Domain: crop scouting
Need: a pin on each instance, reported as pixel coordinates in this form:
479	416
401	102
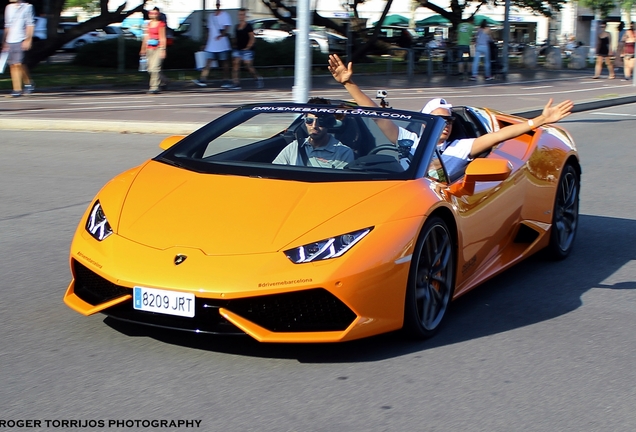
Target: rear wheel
431	280
565	216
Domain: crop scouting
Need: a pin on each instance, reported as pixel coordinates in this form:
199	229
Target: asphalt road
543	347
187	107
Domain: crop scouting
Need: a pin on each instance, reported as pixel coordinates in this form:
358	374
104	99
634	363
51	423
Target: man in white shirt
218	45
18	35
458	153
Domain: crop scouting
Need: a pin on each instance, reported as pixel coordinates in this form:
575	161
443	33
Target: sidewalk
186	107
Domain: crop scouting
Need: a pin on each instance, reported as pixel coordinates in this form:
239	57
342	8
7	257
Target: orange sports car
238	229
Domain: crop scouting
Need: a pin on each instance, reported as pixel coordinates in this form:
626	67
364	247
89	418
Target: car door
488	215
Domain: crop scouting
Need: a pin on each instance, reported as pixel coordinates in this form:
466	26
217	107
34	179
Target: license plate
163	301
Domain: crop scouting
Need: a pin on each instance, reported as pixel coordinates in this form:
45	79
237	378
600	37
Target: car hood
225	215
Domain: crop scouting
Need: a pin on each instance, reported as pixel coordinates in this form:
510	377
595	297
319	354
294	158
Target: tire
565	215
431	280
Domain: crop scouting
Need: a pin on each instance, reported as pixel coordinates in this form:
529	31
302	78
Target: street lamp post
302	68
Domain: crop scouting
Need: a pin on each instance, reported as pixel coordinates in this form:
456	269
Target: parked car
39	31
274	30
116	30
327	41
109	32
80	41
271	29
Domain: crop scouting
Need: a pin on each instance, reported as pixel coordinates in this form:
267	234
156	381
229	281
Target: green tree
455	13
90	6
603	7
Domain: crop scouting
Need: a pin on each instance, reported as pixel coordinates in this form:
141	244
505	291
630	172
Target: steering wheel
378	149
401	153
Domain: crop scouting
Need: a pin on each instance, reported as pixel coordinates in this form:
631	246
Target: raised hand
553	114
340	72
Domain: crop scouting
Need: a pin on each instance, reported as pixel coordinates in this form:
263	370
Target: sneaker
472	78
489	78
200	83
153	92
227	85
16	94
259	82
29	88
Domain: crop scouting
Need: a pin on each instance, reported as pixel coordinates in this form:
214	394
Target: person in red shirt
153	47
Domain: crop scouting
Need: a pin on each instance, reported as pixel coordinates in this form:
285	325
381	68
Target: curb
99	126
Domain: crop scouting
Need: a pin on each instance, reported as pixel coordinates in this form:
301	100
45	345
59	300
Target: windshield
306	143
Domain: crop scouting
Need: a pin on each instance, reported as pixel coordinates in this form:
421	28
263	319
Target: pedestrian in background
603	52
627	51
217	45
482	48
244	52
18	36
162	16
164	19
464	39
153	47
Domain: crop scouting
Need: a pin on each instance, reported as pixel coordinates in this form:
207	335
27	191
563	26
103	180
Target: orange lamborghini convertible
216	235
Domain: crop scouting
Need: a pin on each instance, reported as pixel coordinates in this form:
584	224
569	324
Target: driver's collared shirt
333	155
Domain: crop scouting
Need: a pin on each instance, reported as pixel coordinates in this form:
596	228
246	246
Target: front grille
94	289
301	311
207	318
310	310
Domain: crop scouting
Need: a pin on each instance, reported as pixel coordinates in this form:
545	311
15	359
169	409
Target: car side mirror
482	170
166	143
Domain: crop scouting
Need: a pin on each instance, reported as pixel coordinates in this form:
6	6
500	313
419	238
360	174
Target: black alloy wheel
565	215
431	280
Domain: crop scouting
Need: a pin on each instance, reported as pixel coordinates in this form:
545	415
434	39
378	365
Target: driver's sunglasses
310	121
449	120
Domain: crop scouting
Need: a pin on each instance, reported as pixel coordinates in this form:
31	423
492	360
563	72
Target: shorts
221	55
16	55
462	50
245	55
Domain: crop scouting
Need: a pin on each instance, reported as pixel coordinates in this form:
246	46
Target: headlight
97	225
325	249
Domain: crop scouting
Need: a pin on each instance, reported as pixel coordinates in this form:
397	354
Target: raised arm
343	74
550	114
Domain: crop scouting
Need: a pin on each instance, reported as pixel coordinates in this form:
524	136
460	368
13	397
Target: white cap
434	104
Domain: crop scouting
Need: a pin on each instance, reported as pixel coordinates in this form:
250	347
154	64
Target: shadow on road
531	292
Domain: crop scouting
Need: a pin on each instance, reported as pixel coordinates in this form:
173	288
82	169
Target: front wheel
431	280
565	215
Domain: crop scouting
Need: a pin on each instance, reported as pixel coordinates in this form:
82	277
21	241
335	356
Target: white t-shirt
17	17
455	155
216	23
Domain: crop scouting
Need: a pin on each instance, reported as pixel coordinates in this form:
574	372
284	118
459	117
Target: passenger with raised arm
458	153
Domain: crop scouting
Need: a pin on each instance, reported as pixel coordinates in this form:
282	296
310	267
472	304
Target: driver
320	149
458	153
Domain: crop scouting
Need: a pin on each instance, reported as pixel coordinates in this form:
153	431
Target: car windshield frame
208	150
